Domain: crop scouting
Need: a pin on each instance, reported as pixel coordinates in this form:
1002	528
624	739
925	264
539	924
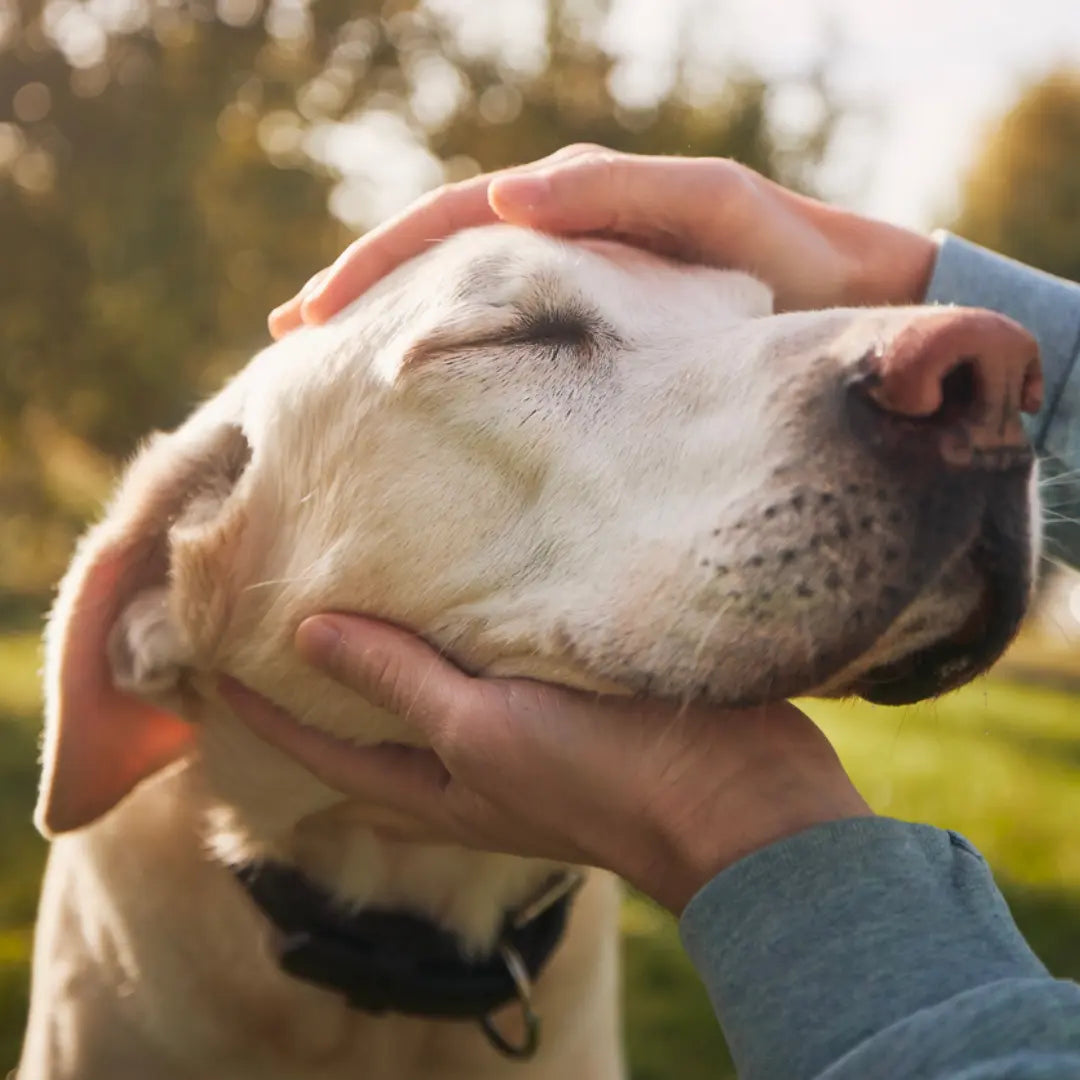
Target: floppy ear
114	637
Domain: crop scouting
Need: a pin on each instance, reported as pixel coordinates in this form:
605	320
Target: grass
22	852
998	761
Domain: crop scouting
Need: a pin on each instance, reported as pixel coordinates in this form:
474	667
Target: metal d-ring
523	985
555	888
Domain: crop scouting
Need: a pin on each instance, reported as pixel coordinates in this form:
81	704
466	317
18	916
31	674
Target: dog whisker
269	582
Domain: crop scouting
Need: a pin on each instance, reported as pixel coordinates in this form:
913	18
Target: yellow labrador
570	461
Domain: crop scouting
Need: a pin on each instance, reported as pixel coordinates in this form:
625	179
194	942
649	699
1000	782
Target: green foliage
669	1025
1022	196
164	180
22	851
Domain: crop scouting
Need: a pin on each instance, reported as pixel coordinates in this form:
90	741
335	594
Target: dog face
572	461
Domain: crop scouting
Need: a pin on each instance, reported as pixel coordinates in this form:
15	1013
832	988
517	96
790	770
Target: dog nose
963	375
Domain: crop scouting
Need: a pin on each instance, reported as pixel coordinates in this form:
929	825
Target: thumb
652	198
390	667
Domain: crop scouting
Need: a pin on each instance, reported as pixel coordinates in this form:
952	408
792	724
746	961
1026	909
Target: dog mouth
932	670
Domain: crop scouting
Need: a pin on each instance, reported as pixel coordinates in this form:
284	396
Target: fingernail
319	641
521	188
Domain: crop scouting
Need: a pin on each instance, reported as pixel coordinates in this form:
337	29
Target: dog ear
114	639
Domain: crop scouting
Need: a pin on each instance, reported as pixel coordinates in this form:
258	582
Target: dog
567	460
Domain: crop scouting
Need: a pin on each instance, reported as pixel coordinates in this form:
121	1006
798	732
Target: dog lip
948	664
924	674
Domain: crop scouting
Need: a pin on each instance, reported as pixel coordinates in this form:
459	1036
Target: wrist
894	266
686	853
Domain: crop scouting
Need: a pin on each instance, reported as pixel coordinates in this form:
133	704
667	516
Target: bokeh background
170	169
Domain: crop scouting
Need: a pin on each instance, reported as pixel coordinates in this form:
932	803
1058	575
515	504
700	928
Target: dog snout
953	384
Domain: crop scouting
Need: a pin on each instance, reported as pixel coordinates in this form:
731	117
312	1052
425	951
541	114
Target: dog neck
263	805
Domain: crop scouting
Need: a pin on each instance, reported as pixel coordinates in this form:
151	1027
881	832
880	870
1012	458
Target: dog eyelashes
550	329
556	329
578	330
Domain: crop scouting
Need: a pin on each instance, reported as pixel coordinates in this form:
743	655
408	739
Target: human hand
666	796
704	210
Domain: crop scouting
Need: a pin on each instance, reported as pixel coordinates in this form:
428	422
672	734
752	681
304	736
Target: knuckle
435	197
465	725
576	149
436	208
451	734
514	696
731	179
469	813
384	675
584	156
602	158
450	188
354	250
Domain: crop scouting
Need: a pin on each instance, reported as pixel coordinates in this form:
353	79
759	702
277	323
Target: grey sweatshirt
874	948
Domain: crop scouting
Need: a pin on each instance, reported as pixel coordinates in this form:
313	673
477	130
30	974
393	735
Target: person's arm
1049	307
873	948
834	945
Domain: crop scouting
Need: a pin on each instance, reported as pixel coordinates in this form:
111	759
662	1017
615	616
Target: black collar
392	961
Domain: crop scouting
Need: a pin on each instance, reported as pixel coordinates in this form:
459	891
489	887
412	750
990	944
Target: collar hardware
394	961
523	984
561	886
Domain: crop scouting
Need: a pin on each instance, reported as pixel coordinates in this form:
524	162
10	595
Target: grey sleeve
1050	308
873	948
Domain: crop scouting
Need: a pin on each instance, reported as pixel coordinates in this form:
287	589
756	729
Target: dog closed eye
569	327
556	328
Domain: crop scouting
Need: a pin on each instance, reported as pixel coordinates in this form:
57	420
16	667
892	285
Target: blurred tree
168	170
1022	195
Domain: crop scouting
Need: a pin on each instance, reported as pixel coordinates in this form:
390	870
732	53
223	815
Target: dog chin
943	639
921	669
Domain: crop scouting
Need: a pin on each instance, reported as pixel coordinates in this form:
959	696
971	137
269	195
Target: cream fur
559	460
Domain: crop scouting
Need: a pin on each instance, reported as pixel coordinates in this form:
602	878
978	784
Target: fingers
598	190
378	252
456	206
578	189
391	668
374	255
406	778
287	317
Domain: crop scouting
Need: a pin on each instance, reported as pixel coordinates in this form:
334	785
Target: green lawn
997	761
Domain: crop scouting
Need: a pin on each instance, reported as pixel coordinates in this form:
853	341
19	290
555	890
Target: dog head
566	460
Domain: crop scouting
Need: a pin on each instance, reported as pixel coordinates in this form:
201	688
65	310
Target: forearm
1050	308
872	948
